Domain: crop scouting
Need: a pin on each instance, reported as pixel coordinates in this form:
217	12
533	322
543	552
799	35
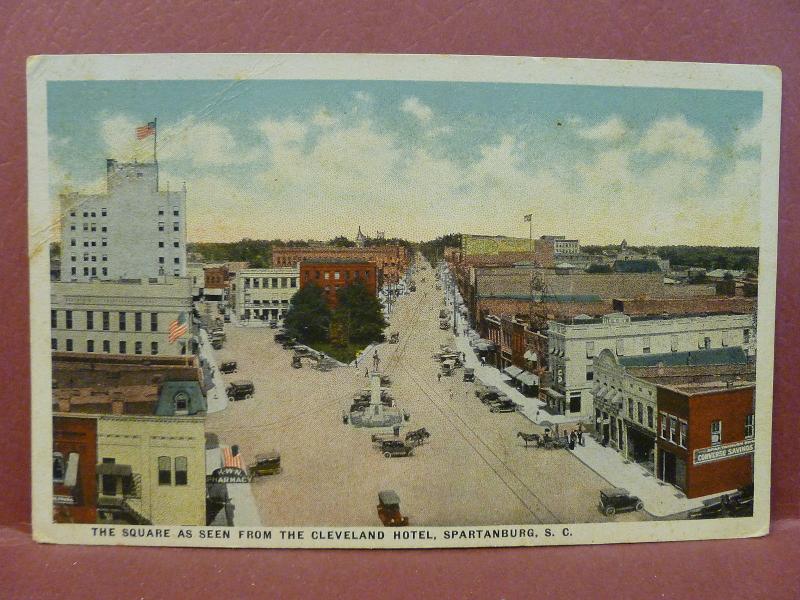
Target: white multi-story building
563	246
132	231
121	317
264	294
573	344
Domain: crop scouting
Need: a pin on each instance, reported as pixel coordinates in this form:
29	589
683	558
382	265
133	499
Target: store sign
715	453
228	475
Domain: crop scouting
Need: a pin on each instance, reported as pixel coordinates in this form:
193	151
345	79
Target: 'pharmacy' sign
715	453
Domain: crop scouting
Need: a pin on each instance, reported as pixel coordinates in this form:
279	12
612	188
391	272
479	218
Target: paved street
472	471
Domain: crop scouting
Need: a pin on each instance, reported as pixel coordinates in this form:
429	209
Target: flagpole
155	147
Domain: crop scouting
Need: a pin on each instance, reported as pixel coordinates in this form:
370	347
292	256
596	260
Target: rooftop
713	356
638	318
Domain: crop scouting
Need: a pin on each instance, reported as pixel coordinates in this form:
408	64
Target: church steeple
360	238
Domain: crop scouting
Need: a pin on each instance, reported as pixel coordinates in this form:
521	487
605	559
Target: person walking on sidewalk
439	377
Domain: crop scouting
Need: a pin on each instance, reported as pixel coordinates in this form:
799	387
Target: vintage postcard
400	301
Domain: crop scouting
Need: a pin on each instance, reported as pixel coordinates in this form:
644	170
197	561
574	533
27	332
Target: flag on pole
528	218
178	328
145	130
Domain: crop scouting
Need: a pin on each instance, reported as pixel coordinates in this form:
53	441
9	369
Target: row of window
640	413
268	302
176	226
704	342
89	227
106	346
105	320
165	471
270	282
676	430
87	214
89	271
337	275
89	243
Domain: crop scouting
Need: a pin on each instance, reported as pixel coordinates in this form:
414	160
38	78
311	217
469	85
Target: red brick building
74	460
391	260
706	437
332	275
684	305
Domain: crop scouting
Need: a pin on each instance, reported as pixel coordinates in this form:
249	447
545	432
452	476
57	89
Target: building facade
264	294
706	437
133	230
391	259
573	345
562	246
330	276
152	469
74	460
121	317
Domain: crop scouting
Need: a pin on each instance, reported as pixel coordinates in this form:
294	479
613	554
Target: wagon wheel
639	506
610	510
387	455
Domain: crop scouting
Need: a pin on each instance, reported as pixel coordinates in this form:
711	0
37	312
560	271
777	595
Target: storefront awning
114	469
553	394
528	378
512	371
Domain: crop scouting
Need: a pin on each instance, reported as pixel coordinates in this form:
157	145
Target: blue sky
315	159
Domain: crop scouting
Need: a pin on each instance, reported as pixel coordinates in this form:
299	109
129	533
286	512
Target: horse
417	436
530	437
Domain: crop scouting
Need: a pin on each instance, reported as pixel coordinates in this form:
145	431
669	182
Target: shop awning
528	378
531	356
601	393
553	394
512	371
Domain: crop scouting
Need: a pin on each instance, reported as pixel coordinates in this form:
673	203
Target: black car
391	448
228	367
240	390
614	500
504	406
739	504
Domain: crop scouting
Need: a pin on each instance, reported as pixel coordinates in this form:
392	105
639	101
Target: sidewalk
215	394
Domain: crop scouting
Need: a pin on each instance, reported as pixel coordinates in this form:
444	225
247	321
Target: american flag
178	328
229	460
145	130
528	218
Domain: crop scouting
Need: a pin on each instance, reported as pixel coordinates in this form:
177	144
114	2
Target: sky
269	159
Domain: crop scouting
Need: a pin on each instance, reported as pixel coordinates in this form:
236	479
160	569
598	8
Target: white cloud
323	118
362	96
612	130
677	137
749	137
283	132
413	106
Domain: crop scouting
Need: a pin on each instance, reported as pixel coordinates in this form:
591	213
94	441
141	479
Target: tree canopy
308	318
358	317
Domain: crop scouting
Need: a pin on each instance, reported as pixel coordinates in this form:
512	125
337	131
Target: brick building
706	437
517	350
215	280
699	304
391	260
334	274
74	460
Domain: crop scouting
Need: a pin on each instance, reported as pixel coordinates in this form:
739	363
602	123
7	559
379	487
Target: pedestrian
439	377
572	437
366	372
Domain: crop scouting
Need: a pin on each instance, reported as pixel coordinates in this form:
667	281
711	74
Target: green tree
308	318
359	313
342	242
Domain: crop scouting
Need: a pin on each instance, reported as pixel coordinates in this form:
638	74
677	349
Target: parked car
394	338
216	344
227	318
444	325
240	390
389	509
281	337
505	406
296	362
469	374
391	448
614	500
739	504
268	463
228	367
443	314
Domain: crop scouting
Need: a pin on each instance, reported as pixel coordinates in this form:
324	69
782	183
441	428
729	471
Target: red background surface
764	32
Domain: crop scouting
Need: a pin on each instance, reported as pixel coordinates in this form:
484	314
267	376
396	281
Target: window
176	244
104	258
137	348
317	274
256	283
106	346
673	430
106	320
175	212
94	214
94	271
104	229
327	275
53	344
630	408
72	242
177	260
94	226
72	213
650	417
161	260
645	345
589	349
69	345
73	271
137	321
620	347
72	258
103	212
274	282
86	227
94	258
160	244
53	319
293	282
89	319
85	256
72	227
336	275
589	373
160	211
639	412
122	323
105	270
104	242
284	282
161	226
85	214
90	345
123	347
181	470
746	334
366	274
153	347
706	343
176	226
673	343
663	425
684	440
68	315
164	470
153	321
749	425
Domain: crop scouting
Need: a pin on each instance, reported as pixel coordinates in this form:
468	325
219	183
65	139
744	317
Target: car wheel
248	396
387	455
639	506
610	510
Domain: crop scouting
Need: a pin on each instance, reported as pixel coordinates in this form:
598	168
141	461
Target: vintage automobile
444	325
391	448
289	343
504	406
296	362
268	463
240	390
443	314
228	367
448	367
216	344
614	500
217	334
489	394
394	338
389	509
412	288
281	337
469	374
739	504
226	318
